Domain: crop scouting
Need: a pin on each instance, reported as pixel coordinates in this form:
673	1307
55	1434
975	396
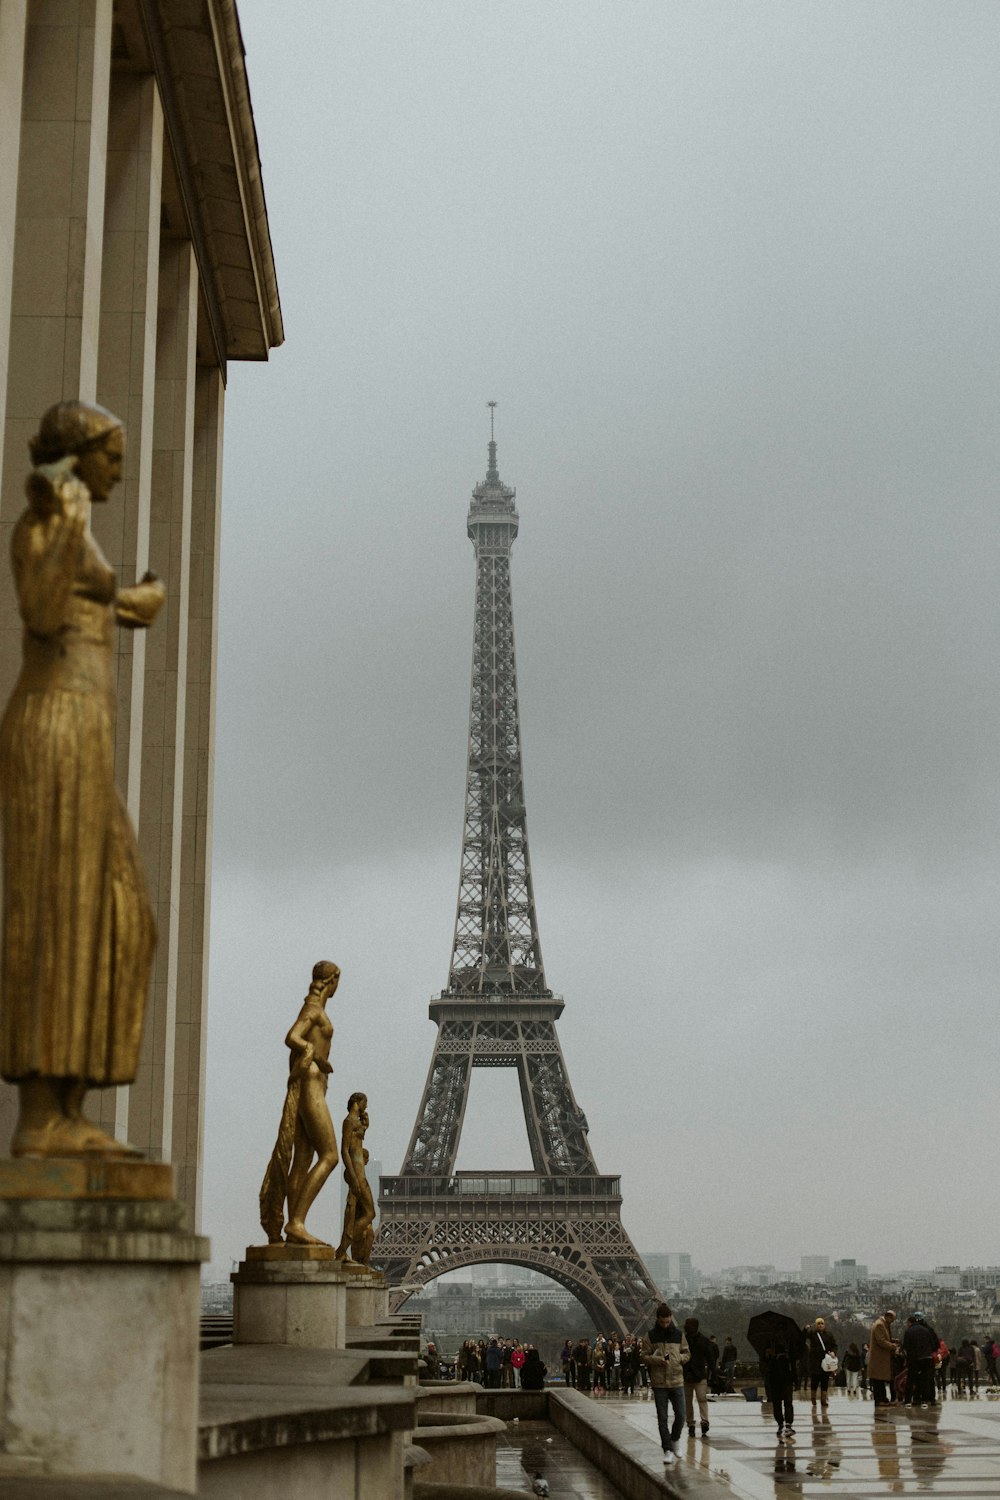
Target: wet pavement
530	1448
951	1451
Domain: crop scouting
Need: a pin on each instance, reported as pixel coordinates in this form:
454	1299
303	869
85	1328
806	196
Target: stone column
13	28
126	376
58	232
199	766
54	114
161	792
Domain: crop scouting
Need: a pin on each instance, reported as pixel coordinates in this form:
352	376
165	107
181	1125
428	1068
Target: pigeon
539	1485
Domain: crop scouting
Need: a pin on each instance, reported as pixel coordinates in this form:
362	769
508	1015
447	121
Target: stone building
135	263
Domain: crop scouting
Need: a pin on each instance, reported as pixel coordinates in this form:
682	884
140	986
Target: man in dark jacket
696	1374
727	1361
494	1361
777	1366
819	1345
920	1344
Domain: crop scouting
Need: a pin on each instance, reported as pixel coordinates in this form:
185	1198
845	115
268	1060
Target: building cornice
196	53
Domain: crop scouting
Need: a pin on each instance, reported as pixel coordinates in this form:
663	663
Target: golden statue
78	930
359	1212
306	1130
350	1209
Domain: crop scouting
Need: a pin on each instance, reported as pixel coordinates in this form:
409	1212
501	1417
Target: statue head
325	976
359	1099
71	427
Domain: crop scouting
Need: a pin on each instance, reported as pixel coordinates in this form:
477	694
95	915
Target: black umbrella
769	1328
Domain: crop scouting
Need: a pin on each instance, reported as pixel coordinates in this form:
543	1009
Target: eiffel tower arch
564	1216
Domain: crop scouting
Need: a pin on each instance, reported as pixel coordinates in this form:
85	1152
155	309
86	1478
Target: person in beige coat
882	1350
665	1352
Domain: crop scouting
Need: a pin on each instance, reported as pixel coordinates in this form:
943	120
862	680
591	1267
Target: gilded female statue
359	1214
305	1152
78	930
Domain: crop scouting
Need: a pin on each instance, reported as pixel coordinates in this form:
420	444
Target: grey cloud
730	271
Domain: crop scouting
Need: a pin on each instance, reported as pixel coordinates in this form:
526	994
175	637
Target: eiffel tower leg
434	1143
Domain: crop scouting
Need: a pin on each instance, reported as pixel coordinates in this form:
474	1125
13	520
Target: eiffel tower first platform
564	1217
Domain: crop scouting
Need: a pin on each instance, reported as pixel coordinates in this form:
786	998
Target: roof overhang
195	50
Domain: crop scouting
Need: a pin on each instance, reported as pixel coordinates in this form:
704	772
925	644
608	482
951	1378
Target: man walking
727	1361
822	1348
697	1373
665	1352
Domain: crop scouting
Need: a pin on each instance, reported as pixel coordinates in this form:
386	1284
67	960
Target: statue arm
347	1141
45	558
297	1040
138	606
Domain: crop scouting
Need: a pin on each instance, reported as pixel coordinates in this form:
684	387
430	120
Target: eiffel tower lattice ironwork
564	1217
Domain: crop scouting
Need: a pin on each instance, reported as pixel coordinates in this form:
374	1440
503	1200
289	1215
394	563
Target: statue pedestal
99	1307
367	1295
290	1294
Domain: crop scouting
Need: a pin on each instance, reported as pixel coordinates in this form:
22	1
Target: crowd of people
680	1368
601	1365
915	1369
495	1363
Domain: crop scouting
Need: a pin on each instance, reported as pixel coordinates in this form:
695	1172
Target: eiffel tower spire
496	950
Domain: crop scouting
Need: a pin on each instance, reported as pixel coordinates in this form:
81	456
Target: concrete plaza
952	1451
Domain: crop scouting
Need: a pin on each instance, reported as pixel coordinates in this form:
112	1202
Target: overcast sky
731	272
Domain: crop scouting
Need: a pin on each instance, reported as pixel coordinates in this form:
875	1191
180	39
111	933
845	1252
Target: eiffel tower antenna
496	1011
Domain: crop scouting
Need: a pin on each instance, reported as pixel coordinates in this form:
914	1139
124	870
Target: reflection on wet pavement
530	1448
951	1452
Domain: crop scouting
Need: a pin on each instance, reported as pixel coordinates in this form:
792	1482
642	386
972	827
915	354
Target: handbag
829	1363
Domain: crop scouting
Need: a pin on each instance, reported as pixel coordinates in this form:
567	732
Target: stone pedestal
290	1294
99	1305
367	1296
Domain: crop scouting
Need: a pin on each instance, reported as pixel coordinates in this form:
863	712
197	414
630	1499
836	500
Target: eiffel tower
564	1217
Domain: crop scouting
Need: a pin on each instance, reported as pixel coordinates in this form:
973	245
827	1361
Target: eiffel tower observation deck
497	1011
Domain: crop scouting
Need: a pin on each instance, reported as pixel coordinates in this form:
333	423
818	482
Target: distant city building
948	1277
217	1297
848	1273
748	1276
524	1299
815	1267
981	1278
672	1269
